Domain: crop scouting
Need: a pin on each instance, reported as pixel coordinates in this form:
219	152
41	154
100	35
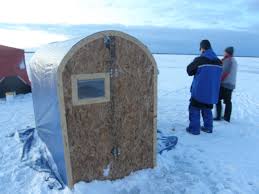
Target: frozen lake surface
225	162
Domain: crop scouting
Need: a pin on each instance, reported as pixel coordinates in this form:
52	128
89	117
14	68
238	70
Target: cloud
239	14
252	5
25	38
158	39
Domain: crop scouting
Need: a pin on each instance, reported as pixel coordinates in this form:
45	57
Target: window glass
22	65
88	89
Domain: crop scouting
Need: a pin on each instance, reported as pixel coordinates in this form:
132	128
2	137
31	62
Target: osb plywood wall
93	130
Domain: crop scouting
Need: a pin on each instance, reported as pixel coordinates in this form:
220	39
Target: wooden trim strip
74	78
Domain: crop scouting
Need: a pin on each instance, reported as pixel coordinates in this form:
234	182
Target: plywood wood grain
127	121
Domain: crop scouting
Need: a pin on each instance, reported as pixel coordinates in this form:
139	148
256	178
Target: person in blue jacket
207	70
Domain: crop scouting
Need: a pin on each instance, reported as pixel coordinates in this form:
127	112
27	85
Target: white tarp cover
43	73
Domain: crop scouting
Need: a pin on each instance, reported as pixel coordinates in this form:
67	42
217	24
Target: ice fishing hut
95	104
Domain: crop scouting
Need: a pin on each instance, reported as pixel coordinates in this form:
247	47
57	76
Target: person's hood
209	54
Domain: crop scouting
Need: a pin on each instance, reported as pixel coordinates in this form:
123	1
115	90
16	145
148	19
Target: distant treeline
162	53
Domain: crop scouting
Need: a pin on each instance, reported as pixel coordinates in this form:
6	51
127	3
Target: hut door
131	108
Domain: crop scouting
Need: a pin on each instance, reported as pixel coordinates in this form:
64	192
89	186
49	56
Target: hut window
22	65
90	88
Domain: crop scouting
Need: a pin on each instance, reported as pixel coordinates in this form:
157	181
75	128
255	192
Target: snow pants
225	95
194	117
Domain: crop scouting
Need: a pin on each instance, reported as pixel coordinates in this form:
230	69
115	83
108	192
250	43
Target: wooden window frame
75	78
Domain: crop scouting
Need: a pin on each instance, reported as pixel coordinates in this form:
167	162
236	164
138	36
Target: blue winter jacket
206	70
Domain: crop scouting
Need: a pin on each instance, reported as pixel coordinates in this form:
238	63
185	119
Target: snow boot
191	132
227	119
217	119
206	130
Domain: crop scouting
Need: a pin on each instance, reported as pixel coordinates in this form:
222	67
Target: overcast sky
235	15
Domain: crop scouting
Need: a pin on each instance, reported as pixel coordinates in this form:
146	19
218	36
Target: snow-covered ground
225	162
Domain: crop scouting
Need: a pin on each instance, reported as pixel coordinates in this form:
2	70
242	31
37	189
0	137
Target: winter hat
230	50
205	44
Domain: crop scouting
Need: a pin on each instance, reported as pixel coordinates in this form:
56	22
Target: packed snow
225	162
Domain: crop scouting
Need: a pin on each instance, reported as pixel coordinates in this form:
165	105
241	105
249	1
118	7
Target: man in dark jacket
206	70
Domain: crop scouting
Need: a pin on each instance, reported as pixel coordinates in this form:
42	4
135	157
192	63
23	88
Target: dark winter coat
207	70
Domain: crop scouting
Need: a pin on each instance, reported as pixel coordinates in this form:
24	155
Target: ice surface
106	171
225	162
